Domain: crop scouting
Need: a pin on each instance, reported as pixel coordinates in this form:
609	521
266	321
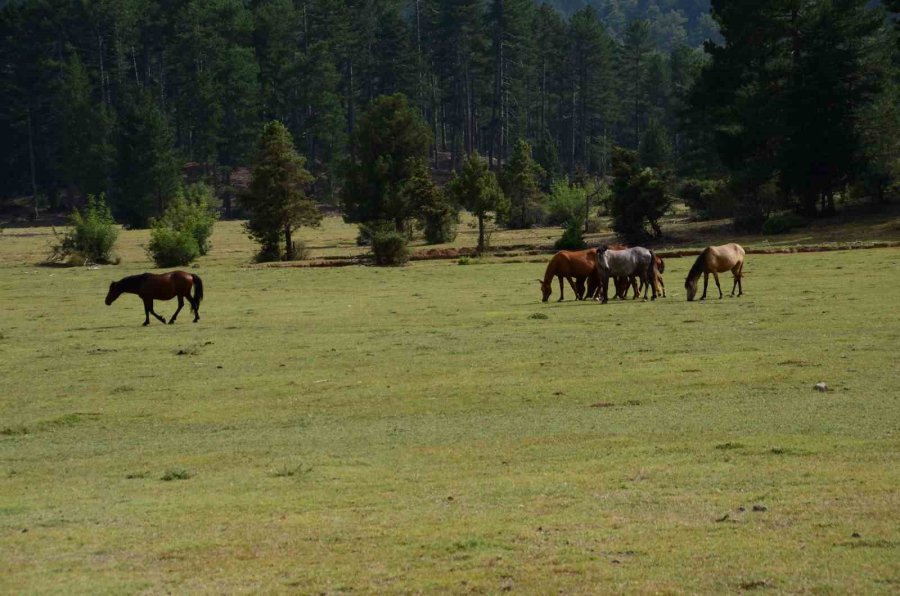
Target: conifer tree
475	188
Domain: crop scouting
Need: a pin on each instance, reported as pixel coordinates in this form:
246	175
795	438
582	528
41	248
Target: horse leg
604	289
705	283
195	306
738	279
636	291
146	312
716	276
574	288
148	303
662	285
579	288
177	310
560	277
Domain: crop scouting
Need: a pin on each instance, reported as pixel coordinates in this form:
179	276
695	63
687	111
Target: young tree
639	197
519	180
392	143
475	188
276	199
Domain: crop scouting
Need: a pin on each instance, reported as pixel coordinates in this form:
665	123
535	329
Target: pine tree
475	188
520	179
276	199
392	143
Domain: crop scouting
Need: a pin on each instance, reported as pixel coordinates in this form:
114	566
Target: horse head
546	290
691	286
114	292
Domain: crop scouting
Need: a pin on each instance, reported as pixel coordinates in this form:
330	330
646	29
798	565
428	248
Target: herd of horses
587	271
590	271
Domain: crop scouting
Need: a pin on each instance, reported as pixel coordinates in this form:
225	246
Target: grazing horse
716	260
636	262
150	287
575	266
657	276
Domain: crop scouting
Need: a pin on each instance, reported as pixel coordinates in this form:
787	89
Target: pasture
436	428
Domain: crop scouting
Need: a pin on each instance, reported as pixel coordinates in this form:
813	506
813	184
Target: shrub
90	237
779	224
566	203
390	248
171	248
708	199
175	474
368	230
572	238
189	211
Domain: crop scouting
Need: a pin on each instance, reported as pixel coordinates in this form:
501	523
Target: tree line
795	102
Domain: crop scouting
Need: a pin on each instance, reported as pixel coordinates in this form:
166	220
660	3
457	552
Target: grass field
436	428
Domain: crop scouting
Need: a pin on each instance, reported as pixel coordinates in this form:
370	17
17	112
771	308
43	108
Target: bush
189	212
780	224
171	248
572	238
708	199
90	237
566	203
390	248
440	229
367	231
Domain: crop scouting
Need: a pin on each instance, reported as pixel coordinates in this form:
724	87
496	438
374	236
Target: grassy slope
415	429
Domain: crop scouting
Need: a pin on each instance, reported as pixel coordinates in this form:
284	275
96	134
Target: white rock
820	387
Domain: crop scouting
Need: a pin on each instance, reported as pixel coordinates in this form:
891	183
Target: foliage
436	214
391	146
781	223
190	212
639	197
475	188
708	199
367	231
276	199
390	248
520	180
572	238
655	150
90	237
566	203
170	247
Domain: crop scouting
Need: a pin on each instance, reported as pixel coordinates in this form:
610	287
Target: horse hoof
145	324
172	322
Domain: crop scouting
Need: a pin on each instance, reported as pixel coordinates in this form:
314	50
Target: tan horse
657	277
716	260
575	266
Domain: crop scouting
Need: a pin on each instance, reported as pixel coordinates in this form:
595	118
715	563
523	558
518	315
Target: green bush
367	231
189	212
708	199
780	224
171	248
90	237
572	238
390	248
566	203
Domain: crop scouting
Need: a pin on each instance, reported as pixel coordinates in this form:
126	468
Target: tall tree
475	188
276	199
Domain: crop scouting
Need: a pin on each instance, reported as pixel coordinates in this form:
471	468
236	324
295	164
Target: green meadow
436	428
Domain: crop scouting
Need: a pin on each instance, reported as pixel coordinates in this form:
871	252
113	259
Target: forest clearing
436	428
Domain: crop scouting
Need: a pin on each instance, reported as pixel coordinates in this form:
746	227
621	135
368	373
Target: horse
622	283
715	260
165	286
657	277
569	264
636	262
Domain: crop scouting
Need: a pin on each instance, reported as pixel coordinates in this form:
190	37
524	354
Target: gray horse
636	261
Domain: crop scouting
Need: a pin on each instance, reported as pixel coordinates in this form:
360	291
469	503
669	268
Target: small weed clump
175	474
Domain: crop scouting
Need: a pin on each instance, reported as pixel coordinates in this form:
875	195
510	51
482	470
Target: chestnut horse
165	286
716	260
575	266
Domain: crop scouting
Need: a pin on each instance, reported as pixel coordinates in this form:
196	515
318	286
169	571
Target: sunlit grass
437	428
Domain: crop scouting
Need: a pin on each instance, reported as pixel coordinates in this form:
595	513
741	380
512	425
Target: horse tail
198	288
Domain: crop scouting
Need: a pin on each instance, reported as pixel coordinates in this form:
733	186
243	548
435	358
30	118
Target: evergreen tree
147	173
520	179
392	143
276	199
655	150
639	197
475	188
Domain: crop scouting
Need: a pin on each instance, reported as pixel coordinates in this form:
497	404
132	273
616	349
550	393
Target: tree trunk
288	243
480	233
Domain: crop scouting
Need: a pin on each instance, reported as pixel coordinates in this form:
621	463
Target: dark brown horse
575	266
165	286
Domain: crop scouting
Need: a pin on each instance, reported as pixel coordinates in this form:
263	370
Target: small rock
820	387
760	508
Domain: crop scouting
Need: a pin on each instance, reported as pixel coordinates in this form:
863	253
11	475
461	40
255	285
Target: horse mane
132	283
699	265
